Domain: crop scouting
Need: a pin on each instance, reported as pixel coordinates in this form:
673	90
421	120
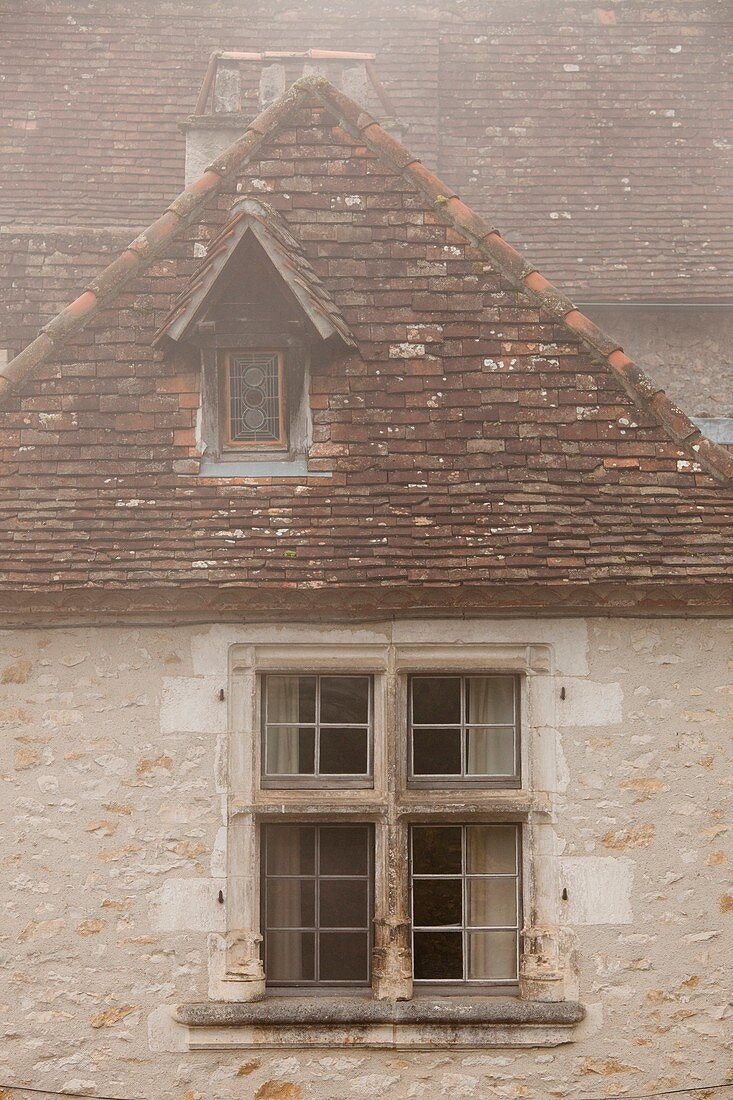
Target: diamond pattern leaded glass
255	398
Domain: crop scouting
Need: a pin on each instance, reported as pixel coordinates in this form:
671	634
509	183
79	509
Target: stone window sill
242	466
425	1023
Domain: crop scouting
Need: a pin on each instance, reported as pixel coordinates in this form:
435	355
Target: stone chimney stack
237	86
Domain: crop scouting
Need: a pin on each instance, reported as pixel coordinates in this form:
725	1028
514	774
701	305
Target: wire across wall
7	1089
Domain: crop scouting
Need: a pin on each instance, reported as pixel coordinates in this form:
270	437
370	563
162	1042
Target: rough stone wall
686	350
112	854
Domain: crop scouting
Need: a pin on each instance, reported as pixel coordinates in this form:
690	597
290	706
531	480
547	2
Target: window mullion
464	734
317	746
465	901
317	900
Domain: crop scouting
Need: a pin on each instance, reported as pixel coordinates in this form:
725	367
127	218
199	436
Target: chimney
237	86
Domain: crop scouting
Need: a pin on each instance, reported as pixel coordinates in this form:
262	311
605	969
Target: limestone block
227	88
273	83
187	905
203	146
355	83
599	889
219	854
191	704
590	704
568	638
209	649
165	1035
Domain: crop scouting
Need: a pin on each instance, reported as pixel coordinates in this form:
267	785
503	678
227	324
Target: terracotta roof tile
479	452
644	186
510	263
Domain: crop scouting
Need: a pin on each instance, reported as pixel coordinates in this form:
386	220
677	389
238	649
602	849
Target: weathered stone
352	1010
641	844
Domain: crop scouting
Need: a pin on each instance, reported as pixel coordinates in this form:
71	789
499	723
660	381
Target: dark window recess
317	904
317	726
466	906
464	728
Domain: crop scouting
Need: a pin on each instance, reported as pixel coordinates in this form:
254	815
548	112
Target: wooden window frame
230	445
431	793
544	1011
444	985
392	804
317	985
318	780
464	779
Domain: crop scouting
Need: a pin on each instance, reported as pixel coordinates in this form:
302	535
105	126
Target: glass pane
254	397
343	751
291	956
438	955
345	699
344	850
492	901
344	903
490	751
436	700
291	699
291	903
344	956
436	850
436	752
437	902
290	750
492	849
492	955
290	849
490	700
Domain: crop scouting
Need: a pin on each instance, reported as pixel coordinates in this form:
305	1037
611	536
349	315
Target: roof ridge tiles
148	245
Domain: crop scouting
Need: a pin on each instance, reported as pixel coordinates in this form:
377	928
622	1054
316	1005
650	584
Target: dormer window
259	316
254	400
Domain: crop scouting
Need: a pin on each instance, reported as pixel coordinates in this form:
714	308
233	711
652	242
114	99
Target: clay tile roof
287	257
154	242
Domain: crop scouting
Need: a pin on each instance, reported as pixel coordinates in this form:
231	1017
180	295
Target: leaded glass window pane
254	398
317	904
318	727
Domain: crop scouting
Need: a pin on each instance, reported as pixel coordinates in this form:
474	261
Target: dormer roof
284	251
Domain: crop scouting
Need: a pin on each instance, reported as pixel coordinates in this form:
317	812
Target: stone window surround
239	1013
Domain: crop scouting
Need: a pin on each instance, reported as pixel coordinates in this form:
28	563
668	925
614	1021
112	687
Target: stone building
365	657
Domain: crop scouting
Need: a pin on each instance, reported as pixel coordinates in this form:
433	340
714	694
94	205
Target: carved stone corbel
542	972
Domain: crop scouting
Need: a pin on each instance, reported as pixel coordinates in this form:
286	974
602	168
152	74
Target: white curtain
283	753
491	901
490	700
283	758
